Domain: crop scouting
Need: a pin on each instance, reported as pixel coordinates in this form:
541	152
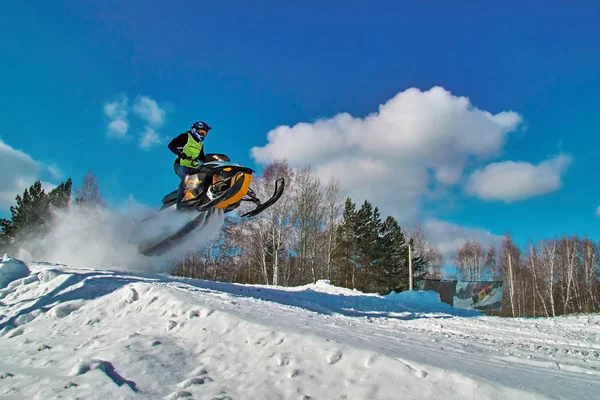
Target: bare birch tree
547	268
309	215
430	254
334	203
590	266
471	261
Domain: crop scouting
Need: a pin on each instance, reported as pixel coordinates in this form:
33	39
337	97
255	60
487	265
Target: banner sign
474	295
482	295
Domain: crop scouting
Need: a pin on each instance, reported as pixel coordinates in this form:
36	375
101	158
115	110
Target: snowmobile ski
279	186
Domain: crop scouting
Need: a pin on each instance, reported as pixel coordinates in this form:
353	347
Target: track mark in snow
65	309
283	360
205	312
92	321
419	373
199	380
370	361
6	375
152	300
221	396
172	324
180	394
16	332
131	295
27	318
48	275
295	373
106	367
335	357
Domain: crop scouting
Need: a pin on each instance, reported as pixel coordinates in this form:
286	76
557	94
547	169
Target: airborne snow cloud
416	142
511	181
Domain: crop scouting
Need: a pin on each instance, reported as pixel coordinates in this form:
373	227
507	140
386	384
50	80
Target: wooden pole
410	271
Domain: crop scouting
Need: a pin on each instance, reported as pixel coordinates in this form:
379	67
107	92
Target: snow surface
11	270
70	332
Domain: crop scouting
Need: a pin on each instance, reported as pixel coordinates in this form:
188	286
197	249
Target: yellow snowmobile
218	184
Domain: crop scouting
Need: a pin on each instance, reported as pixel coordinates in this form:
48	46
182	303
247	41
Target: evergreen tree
367	236
29	212
33	212
345	255
60	197
392	266
5	234
419	267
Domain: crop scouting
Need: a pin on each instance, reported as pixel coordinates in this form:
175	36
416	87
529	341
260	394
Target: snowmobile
219	185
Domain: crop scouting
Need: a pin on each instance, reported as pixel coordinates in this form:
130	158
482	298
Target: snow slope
96	334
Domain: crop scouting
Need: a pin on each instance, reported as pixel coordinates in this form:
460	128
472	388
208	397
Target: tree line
551	277
314	232
32	215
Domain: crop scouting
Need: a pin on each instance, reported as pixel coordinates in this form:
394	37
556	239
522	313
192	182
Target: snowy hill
95	334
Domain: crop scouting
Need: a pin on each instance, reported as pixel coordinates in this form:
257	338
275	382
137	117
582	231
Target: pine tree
392	265
33	212
367	234
6	238
29	212
60	197
345	255
420	265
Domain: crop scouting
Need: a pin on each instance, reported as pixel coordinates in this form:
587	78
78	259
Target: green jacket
186	143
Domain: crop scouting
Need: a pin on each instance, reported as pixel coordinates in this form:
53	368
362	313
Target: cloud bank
416	140
18	171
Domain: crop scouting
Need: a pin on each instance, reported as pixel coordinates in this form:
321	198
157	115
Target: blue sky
249	67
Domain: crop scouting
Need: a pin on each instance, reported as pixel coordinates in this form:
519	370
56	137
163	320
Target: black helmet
200	129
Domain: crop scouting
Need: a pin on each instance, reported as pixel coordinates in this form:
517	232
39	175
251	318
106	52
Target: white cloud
448	175
146	108
149	138
116	111
448	238
18	171
149	110
510	181
118	128
55	172
392	156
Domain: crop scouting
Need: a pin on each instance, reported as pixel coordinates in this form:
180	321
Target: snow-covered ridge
67	333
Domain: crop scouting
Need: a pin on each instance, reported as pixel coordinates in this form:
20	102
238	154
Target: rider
189	149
